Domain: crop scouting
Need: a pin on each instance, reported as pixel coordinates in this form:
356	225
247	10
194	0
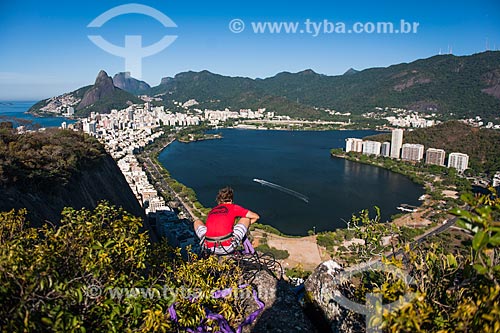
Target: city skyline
48	52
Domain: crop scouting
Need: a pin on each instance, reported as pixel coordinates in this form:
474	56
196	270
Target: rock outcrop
103	88
282	311
100	181
350	71
126	82
323	290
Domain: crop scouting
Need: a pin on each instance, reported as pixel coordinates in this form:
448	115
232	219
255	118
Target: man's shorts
239	231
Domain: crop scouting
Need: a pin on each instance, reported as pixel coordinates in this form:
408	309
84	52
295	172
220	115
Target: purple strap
226	292
248	320
248	247
223	324
172	312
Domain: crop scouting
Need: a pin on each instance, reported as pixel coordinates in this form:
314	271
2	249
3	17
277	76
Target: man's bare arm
253	217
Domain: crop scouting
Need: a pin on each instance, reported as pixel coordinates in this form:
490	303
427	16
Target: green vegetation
120	99
365	237
195	133
277	254
45	159
215	91
98	273
297	272
482	145
455	289
266	228
79	93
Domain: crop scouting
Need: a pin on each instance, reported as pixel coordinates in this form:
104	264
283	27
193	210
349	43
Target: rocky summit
124	81
103	87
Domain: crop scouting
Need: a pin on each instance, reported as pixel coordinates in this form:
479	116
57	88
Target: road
429	233
152	169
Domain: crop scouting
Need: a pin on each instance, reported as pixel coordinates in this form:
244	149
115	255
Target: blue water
298	161
11	110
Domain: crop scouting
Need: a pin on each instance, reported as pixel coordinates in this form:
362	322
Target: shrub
278	254
98	273
454	291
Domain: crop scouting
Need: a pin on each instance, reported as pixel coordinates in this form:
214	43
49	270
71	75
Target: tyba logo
133	51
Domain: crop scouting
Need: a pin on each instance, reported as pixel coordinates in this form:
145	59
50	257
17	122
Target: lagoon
299	164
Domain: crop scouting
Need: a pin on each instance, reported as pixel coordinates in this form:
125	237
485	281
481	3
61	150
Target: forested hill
481	144
462	85
49	170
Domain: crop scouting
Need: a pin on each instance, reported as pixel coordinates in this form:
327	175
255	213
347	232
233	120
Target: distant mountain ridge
453	86
463	85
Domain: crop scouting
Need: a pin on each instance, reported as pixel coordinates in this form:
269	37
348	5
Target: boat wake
282	189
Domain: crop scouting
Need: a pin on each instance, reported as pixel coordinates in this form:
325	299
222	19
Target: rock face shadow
282	312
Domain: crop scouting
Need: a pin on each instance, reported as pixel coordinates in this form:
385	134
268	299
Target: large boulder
322	292
282	311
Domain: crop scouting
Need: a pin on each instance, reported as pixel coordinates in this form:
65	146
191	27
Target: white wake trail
282	189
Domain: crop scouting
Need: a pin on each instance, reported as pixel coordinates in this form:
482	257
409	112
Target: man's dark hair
225	195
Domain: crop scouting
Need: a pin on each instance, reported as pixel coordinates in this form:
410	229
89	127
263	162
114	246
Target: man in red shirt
219	234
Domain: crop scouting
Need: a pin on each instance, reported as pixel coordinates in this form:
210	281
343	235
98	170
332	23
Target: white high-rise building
396	142
353	144
371	147
385	149
458	161
412	152
435	156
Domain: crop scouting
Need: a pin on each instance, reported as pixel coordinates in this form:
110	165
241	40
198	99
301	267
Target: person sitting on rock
219	234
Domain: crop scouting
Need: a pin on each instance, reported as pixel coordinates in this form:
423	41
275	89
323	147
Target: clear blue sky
45	50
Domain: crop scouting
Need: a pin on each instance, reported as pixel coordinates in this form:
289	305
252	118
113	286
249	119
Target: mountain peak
307	72
103	87
102	75
165	80
351	71
125	81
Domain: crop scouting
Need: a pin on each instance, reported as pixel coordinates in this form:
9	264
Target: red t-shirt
220	220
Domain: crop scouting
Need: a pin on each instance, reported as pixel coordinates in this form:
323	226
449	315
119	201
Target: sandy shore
302	250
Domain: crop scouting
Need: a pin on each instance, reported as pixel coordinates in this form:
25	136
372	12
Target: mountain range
452	86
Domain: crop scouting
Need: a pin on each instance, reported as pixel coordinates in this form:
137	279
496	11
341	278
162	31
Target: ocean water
298	185
12	110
